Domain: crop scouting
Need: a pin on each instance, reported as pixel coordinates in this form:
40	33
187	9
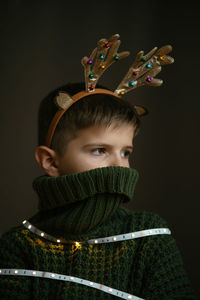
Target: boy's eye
125	153
99	151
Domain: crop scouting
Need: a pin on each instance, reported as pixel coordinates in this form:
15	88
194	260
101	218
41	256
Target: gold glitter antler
100	59
144	69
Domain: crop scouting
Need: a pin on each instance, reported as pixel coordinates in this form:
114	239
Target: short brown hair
98	109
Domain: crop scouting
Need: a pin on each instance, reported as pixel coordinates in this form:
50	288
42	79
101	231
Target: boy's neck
79	202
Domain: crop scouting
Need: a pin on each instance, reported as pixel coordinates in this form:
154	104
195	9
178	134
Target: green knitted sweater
85	206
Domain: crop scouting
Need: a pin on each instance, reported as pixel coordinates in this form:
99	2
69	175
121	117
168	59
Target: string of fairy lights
41	274
108	239
98	286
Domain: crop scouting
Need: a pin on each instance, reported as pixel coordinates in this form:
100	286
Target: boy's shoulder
14	234
141	220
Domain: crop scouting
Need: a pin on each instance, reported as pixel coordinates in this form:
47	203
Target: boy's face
97	147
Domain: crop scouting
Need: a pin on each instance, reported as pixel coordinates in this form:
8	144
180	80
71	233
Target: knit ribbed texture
79	202
58	191
149	267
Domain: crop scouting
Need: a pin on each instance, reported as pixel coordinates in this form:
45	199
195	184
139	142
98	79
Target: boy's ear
47	160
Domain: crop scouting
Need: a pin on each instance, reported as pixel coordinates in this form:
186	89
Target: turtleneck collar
78	202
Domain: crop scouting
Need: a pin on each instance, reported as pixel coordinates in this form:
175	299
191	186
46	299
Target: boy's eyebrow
106	145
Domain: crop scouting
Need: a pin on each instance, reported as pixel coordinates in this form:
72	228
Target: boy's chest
110	265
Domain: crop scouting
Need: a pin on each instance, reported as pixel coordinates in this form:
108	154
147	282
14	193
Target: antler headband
142	72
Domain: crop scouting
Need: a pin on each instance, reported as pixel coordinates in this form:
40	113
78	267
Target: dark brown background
42	43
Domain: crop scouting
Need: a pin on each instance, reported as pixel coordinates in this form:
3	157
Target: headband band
74	99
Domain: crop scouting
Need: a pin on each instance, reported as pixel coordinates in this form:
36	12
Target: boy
82	244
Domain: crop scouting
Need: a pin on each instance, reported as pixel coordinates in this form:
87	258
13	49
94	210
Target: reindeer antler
100	59
144	69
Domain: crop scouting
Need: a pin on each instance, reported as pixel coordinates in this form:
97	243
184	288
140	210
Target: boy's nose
117	161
